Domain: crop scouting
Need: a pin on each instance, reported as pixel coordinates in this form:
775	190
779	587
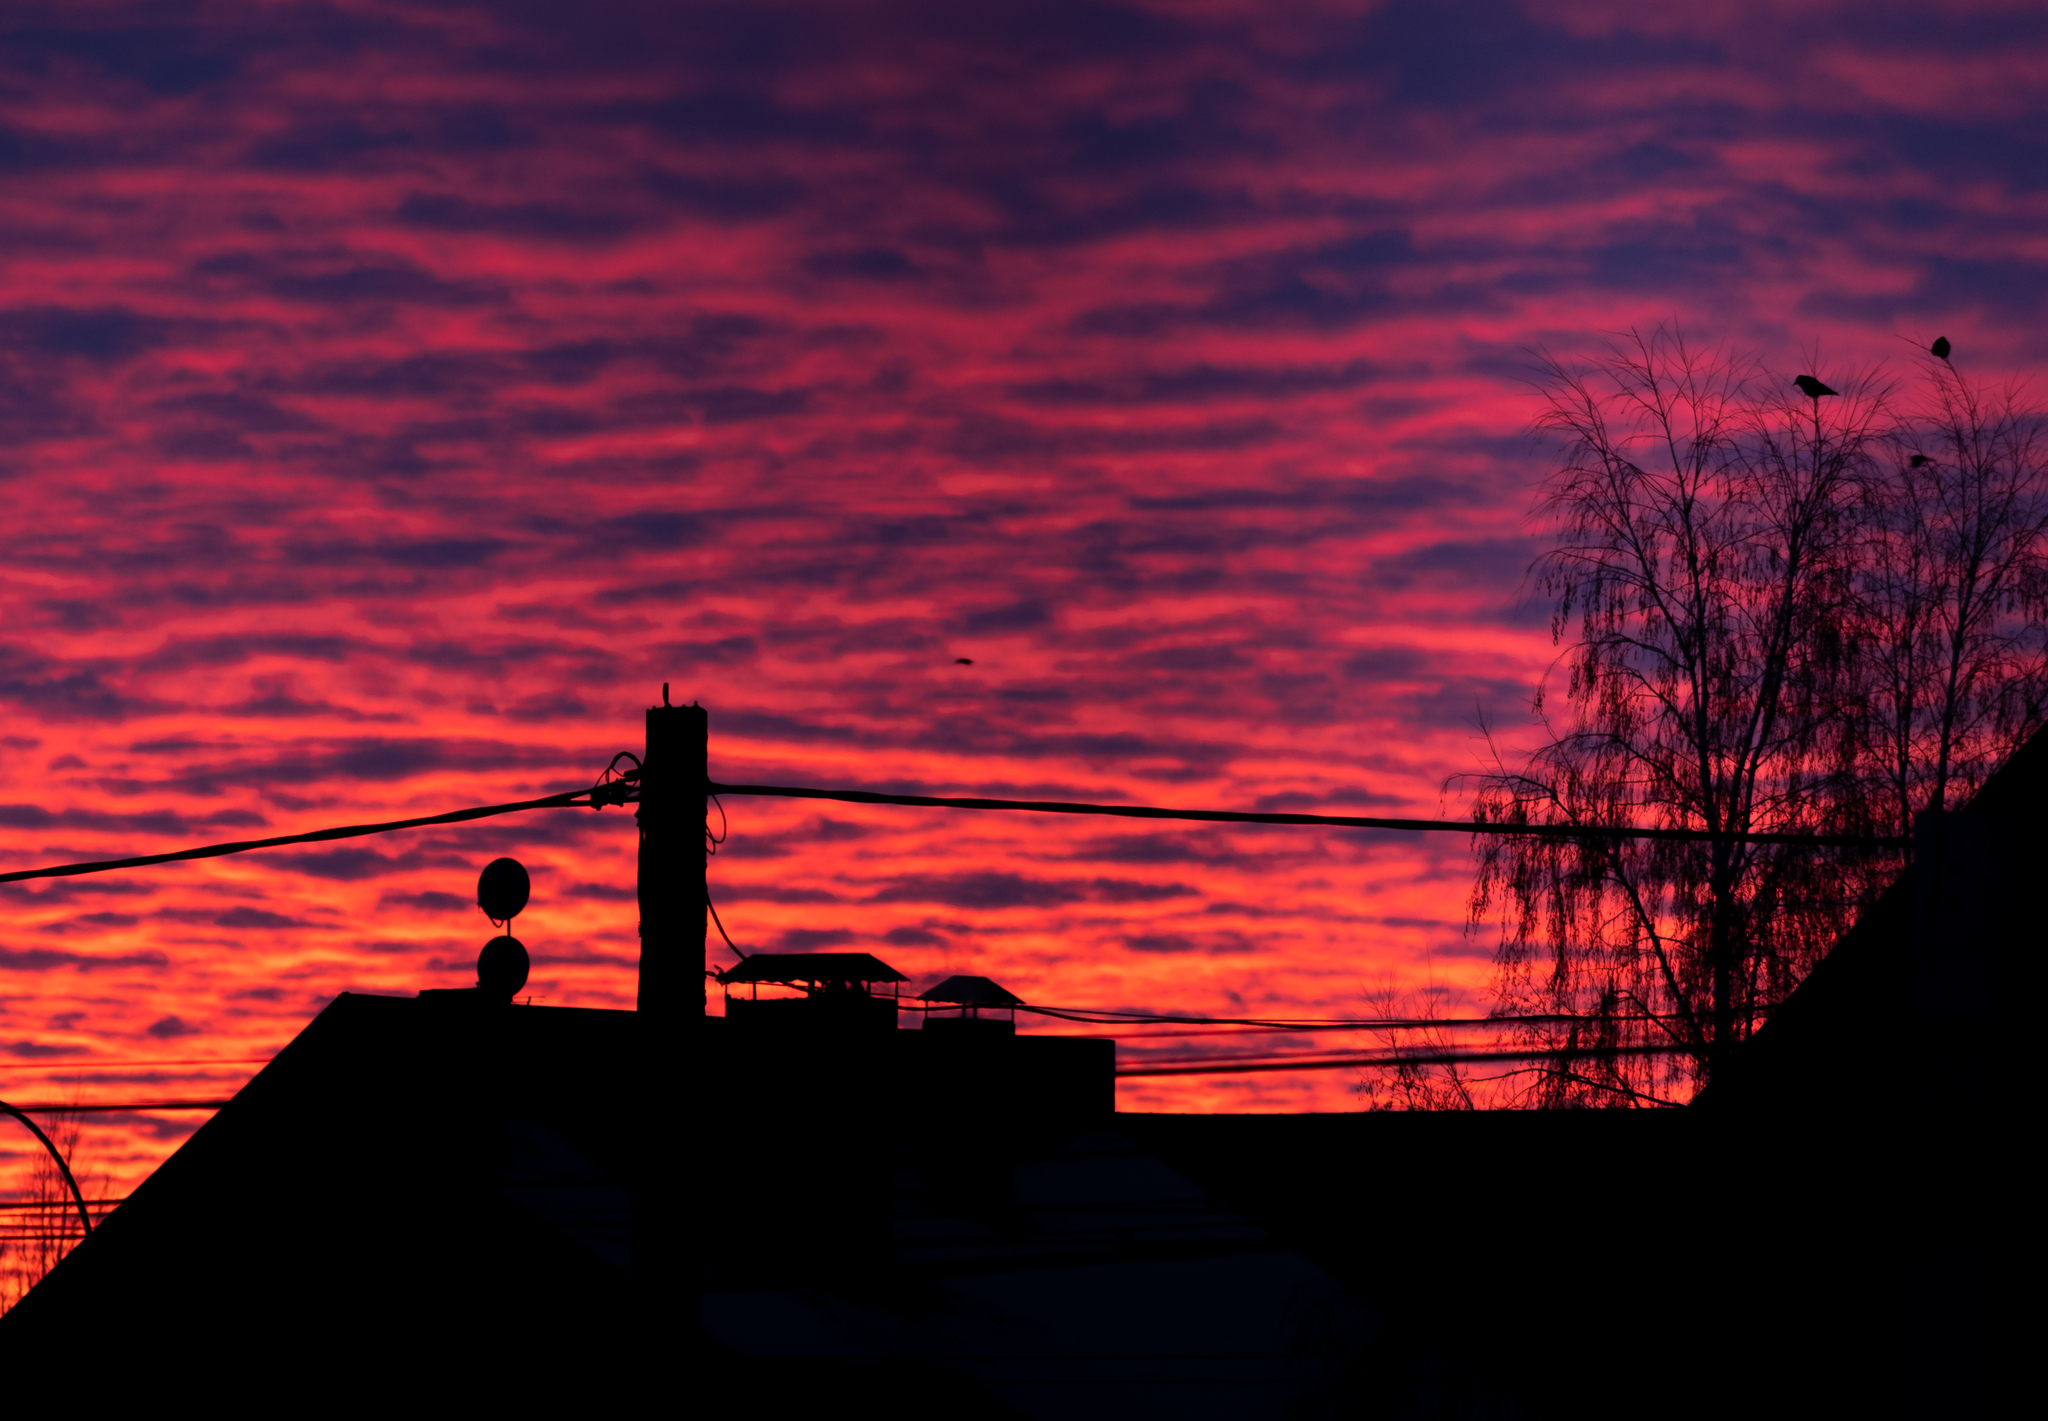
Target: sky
1113	402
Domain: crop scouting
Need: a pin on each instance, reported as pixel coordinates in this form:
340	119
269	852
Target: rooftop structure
813	971
838	991
958	1003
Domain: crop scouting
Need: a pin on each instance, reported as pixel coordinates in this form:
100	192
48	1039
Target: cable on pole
625	790
574	799
1327	821
1092	1016
721	929
1228	1067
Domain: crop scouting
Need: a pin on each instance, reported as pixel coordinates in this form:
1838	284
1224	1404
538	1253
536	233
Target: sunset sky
393	397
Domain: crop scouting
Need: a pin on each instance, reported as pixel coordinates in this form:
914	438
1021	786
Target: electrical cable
100	1065
111	1108
1331	821
1340	1057
623	790
1228	1067
571	799
611	788
1091	1016
721	927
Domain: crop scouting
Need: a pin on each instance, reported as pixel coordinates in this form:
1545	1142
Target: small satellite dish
502	889
501	967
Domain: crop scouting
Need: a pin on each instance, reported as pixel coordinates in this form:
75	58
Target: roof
793	967
1816	1049
405	1168
971	992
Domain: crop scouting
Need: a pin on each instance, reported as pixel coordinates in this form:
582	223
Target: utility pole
672	896
673	774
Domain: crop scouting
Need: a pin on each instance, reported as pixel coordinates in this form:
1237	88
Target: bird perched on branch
1810	387
1940	348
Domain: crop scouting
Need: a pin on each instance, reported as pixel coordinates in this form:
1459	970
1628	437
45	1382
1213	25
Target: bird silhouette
1917	461
1810	387
963	661
1940	347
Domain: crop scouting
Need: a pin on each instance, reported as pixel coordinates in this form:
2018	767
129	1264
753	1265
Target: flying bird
1940	347
963	661
1810	387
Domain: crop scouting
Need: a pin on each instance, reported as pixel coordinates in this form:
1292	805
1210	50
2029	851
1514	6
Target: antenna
502	891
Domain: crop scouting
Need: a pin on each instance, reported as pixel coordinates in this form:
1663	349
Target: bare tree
1703	576
1413	1080
1953	587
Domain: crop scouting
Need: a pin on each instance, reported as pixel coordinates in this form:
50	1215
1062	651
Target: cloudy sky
393	397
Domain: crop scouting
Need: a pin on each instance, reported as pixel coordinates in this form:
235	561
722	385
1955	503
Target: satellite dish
502	890
501	967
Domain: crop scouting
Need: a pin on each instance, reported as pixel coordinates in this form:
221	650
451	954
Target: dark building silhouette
1834	1228
429	1194
957	1197
927	1213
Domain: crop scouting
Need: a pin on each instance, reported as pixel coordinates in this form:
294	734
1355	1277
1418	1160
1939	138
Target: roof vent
959	1003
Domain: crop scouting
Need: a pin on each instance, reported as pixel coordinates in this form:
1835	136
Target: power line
1327	821
101	1065
108	1109
1092	1016
623	791
721	924
1316	1061
1324	1057
571	799
1227	1067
